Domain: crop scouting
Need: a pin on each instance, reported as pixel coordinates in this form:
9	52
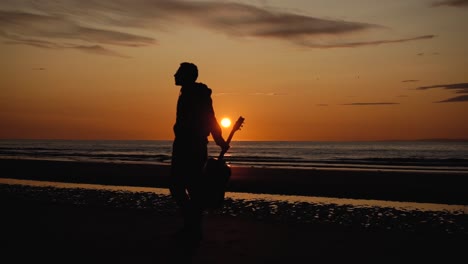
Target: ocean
451	156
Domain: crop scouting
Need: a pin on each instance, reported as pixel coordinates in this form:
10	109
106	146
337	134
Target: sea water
451	156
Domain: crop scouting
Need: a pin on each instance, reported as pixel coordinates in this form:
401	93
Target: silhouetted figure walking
194	123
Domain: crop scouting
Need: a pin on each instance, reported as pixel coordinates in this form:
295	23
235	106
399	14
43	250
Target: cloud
14	39
367	43
94	49
406	81
456	3
31	29
461	98
246	20
376	103
106	22
459	88
225	94
50	26
269	94
422	54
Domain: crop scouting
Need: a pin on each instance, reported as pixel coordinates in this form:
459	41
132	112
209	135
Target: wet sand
436	187
80	231
77	225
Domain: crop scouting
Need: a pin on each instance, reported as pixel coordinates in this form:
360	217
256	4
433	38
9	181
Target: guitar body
216	177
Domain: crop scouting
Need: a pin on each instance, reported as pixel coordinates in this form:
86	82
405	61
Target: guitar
217	174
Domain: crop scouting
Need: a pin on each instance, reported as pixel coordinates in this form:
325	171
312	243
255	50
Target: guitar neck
228	141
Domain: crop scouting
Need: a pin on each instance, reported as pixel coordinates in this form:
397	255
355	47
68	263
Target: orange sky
296	70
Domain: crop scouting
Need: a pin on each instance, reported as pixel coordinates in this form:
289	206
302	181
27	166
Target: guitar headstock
239	123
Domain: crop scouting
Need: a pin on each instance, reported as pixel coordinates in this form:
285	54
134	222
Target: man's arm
217	136
215	128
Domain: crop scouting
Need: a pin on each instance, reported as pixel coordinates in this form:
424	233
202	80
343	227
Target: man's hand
224	146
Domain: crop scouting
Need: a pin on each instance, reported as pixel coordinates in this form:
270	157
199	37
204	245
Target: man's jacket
195	115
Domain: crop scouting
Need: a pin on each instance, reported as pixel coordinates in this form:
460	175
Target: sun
226	122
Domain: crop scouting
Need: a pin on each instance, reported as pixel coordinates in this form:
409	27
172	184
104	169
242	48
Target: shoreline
434	187
442	169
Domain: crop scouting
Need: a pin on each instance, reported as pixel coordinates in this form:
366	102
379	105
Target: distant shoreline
281	140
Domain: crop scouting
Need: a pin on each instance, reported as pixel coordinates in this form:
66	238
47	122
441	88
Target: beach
94	225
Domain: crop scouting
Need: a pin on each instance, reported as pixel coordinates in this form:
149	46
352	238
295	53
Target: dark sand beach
45	224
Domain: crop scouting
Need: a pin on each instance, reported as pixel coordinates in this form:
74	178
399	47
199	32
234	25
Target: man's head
186	74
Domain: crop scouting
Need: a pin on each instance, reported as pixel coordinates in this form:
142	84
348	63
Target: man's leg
179	193
186	187
178	186
196	210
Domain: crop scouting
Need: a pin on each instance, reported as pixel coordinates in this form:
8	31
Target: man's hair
189	70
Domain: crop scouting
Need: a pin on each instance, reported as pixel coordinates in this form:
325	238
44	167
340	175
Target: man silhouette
194	122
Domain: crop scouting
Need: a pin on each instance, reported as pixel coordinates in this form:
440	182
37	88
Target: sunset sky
296	70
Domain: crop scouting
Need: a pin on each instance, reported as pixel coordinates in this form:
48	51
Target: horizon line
250	140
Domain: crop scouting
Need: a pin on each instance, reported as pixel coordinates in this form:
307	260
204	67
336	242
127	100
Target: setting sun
226	122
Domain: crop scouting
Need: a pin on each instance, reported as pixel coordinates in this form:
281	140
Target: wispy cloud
269	94
50	31
406	81
423	54
95	49
366	43
461	98
459	88
372	103
107	22
225	94
457	3
54	26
